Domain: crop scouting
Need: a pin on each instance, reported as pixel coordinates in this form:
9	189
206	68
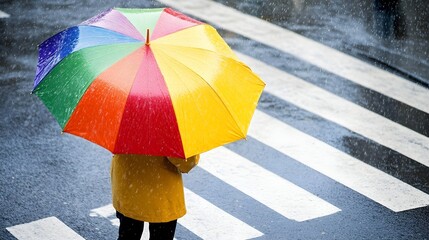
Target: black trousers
131	229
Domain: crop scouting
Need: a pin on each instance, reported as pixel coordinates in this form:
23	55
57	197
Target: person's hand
185	165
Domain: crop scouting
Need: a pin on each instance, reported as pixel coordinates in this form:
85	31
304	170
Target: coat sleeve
185	165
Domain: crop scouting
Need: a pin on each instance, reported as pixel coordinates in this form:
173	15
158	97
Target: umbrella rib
112	44
91	59
217	94
206	50
122	114
120	43
108	20
168	97
193	99
174	32
87	87
65	124
165	113
80	98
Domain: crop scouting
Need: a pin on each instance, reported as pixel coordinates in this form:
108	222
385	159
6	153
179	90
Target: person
149	189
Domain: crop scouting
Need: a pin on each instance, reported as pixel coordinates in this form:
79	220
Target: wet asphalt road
392	34
44	173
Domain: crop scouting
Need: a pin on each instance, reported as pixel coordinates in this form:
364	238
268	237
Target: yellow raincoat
149	188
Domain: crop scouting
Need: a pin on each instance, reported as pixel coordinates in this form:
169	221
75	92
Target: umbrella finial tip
147	37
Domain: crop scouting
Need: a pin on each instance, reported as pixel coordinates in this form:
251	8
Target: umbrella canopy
147	81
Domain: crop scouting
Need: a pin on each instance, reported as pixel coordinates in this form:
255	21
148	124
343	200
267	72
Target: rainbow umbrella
147	81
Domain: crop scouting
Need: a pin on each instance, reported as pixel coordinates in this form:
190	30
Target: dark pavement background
43	173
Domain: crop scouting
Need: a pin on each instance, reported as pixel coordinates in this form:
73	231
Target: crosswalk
208	220
368	181
343	112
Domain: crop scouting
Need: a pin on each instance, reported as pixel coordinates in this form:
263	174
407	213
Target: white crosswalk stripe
269	189
210	222
50	228
106	211
3	14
